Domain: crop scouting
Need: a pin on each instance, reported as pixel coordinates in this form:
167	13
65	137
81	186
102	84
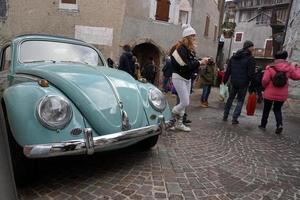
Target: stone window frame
174	11
184	6
69	6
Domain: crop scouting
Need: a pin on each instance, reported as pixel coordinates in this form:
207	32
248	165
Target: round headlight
157	99
54	112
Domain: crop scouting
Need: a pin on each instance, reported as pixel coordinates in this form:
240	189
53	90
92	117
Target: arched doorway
144	51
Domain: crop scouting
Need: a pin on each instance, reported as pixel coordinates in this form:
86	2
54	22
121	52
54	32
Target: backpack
280	79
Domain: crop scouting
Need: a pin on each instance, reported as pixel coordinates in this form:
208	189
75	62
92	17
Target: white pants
183	89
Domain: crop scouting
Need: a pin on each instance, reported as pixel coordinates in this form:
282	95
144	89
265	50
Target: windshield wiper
36	61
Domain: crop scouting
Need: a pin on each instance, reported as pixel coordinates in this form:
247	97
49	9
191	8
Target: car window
47	51
6	58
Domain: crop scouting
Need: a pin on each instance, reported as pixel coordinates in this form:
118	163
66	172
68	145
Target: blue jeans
240	93
205	92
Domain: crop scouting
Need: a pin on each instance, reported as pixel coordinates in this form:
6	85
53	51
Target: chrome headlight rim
56	126
163	98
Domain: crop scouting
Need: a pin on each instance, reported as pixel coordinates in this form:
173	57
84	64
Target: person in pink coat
276	95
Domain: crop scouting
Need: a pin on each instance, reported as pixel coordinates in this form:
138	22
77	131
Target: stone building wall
292	44
46	17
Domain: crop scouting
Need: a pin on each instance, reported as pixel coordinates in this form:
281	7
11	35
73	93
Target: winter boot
180	126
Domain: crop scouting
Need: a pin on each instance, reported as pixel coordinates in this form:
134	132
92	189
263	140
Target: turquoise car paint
144	90
21	101
130	95
94	96
93	93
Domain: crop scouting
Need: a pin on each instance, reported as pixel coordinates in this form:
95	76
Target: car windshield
48	51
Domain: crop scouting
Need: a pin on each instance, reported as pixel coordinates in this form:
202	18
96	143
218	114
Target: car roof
48	37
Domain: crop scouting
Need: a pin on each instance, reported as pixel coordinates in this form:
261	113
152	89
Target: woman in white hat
183	65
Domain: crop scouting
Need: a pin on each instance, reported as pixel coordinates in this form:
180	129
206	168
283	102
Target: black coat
126	63
256	84
149	72
240	69
191	64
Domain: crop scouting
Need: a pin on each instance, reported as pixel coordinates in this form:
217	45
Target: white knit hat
188	30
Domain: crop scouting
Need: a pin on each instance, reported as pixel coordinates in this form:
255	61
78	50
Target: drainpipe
287	22
8	189
229	54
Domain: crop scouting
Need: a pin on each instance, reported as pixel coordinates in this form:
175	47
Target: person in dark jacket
149	71
207	79
167	72
126	62
240	70
183	65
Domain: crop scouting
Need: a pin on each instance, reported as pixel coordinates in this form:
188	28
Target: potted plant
228	33
228	29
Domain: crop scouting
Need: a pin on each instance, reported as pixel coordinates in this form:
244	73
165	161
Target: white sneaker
182	127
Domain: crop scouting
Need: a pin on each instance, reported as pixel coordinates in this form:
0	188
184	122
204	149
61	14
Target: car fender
149	110
21	101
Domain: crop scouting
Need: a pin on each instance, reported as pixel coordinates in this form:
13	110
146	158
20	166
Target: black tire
148	143
24	169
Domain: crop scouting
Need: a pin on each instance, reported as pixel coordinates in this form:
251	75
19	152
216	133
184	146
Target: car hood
95	91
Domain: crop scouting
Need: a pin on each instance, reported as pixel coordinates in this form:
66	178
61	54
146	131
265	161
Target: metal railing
261	3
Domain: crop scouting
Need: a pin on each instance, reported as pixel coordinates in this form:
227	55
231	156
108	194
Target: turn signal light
43	83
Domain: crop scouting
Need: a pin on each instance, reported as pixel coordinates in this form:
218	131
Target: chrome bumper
91	144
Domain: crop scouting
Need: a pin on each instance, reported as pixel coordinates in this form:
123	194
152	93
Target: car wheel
149	142
24	168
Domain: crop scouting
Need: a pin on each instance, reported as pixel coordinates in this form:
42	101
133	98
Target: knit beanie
248	44
188	30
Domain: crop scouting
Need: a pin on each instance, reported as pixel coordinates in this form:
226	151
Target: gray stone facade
253	19
47	17
130	20
292	44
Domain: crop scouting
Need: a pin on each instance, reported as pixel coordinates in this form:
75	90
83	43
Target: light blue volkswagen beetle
59	98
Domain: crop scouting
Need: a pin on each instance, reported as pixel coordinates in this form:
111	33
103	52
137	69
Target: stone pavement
216	160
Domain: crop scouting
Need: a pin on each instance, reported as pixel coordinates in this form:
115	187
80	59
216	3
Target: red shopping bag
251	104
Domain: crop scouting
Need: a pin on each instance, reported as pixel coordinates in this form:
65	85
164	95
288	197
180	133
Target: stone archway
143	49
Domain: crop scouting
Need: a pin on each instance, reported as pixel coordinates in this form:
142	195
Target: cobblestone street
216	160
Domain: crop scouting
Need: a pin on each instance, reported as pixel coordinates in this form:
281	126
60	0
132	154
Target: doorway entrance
144	52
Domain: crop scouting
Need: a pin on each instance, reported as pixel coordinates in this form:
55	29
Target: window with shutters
238	37
3	9
206	31
162	10
68	4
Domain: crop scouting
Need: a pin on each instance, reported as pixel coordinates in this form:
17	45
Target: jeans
276	109
241	93
166	81
205	93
